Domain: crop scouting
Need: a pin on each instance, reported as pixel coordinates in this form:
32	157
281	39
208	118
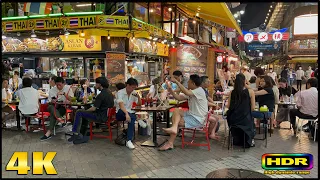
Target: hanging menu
192	59
115	68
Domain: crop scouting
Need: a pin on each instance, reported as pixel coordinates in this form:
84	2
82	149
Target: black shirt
267	99
103	102
287	91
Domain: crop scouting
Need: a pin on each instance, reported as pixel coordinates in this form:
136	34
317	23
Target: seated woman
83	91
240	104
265	96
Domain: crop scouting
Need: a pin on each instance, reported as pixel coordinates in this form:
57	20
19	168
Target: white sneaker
130	145
142	123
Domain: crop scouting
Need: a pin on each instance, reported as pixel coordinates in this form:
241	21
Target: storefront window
7	9
140	11
77	7
304	44
100	7
167	26
155	14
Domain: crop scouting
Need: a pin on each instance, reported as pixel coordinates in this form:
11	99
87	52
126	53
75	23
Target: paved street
101	158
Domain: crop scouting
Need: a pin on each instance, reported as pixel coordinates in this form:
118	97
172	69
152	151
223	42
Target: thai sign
66	22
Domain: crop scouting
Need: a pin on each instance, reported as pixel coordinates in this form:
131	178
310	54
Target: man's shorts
190	121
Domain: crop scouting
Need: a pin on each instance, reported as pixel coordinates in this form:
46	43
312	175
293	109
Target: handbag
122	138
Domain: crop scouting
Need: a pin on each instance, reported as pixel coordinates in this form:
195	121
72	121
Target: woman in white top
276	93
6	96
15	81
224	76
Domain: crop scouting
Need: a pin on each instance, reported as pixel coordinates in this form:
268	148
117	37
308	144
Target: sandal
166	147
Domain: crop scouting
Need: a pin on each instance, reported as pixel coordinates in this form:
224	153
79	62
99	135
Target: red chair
204	129
42	115
111	117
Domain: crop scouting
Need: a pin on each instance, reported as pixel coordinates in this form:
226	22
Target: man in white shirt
59	93
125	98
29	98
299	76
307	103
6	96
273	75
198	109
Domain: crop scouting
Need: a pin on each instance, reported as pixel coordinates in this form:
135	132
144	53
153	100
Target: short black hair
53	78
203	78
26	82
16	73
132	81
313	82
177	73
216	80
282	80
83	81
196	79
59	79
268	81
120	86
252	79
103	81
258	71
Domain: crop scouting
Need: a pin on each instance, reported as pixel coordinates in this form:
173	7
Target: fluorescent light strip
83	5
37	16
14	18
82	13
57	14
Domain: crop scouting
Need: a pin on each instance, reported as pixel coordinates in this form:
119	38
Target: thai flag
40	24
139	26
9	26
74	22
110	21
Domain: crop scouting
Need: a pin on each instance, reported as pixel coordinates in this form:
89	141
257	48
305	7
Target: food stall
145	61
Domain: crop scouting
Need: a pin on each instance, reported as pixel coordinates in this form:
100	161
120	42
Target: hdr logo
287	161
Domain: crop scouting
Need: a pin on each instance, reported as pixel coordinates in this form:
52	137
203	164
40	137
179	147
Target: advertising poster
192	59
115	69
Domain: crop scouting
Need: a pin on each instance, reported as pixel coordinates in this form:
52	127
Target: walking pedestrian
299	76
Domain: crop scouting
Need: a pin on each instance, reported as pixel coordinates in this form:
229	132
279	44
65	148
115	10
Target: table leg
153	142
167	113
18	118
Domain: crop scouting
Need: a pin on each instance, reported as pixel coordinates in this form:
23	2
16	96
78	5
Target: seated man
59	93
125	99
214	119
198	109
6	96
29	98
97	113
307	103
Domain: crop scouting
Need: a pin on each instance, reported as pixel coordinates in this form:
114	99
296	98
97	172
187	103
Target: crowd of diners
247	89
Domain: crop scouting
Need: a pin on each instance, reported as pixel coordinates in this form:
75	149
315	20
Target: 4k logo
38	163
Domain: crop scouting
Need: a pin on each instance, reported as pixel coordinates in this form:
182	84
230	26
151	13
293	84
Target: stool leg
229	139
244	142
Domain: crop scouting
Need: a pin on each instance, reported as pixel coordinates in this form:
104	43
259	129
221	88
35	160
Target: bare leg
212	128
48	133
177	121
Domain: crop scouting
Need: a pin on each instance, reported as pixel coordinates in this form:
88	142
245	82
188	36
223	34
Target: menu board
192	59
139	45
115	68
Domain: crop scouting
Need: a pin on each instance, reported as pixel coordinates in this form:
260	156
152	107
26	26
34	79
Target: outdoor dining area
76	105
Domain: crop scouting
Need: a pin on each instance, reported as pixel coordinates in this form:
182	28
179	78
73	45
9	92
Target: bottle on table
291	98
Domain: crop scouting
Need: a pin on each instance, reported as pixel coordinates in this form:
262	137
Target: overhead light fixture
238	20
260	54
177	19
155	38
3	36
150	37
235	15
242	12
66	32
108	36
169	9
269	10
271	6
268	14
197	14
173	43
33	34
82	34
194	21
151	10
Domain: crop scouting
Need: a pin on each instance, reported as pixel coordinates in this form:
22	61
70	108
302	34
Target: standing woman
241	103
224	76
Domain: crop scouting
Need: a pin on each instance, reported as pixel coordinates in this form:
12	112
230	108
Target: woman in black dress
241	103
